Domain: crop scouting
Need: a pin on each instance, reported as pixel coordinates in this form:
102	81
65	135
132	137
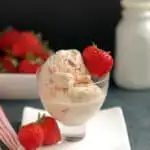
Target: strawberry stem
93	43
39	61
30	57
15	62
40	118
46	46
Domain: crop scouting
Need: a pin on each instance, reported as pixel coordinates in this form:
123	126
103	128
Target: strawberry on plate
97	61
8	38
51	131
44	131
31	136
8	64
27	43
29	66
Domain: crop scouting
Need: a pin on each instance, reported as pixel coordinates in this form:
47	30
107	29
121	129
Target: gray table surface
135	104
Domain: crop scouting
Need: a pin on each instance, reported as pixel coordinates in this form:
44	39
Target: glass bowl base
73	133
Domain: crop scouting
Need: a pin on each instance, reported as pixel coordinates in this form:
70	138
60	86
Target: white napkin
105	131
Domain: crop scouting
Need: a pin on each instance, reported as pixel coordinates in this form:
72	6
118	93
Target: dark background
65	23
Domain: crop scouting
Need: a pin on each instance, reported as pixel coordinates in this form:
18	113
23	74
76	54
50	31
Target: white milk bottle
132	55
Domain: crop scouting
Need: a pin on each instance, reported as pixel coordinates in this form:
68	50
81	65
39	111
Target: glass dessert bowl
71	101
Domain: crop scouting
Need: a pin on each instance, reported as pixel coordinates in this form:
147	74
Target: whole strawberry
28	43
8	38
30	65
8	64
51	131
31	136
97	61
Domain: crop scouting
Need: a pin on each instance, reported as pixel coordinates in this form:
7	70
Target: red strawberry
27	43
46	52
29	66
31	136
8	64
44	55
97	61
51	131
8	38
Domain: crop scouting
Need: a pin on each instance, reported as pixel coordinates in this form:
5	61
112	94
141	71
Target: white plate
18	86
105	131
